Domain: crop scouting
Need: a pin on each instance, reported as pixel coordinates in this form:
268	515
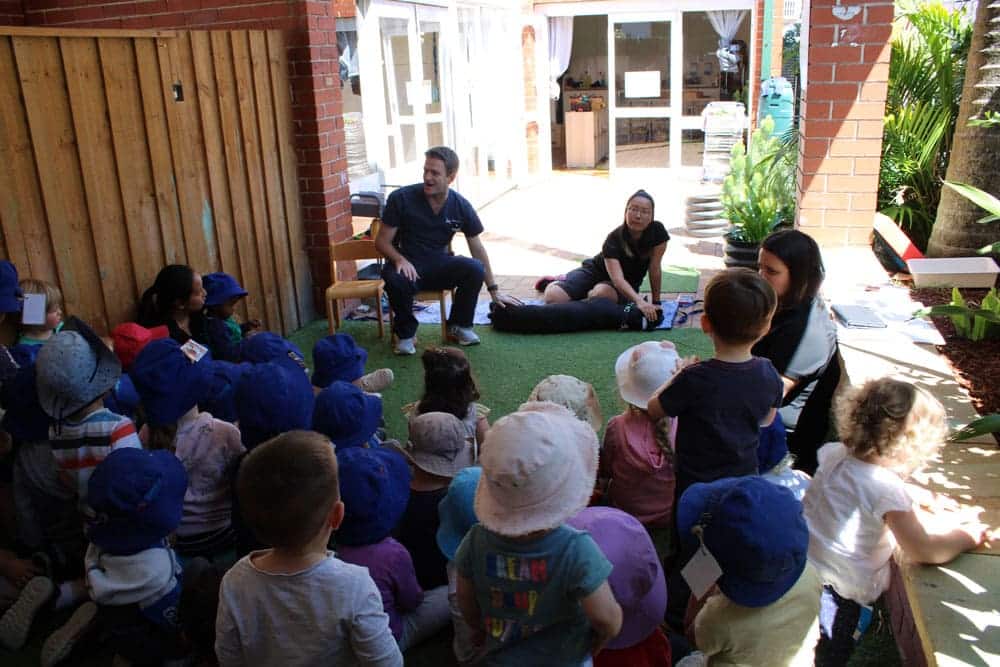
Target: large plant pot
741	254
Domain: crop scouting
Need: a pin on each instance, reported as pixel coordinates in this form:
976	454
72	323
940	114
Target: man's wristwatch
492	288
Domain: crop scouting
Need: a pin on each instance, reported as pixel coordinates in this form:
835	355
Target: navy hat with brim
221	287
337	357
346	415
220	397
772	446
754	529
267	346
375	488
10	293
271	399
137	497
168	381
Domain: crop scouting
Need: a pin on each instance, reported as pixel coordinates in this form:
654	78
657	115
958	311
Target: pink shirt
641	473
208	448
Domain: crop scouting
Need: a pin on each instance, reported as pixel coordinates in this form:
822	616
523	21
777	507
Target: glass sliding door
644	90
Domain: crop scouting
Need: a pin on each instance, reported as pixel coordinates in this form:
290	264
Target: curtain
726	23
560	49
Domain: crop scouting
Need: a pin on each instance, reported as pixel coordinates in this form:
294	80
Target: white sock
71	593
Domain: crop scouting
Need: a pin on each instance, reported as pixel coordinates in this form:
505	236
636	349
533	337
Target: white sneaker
16	622
405	346
462	335
376	381
61	642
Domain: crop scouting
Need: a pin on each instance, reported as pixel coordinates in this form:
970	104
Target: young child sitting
170	385
637	583
722	402
859	509
764	608
449	387
439	446
458	515
348	416
266	346
534	589
572	393
73	372
330	611
775	462
338	357
35	335
132	573
222	293
637	459
374	487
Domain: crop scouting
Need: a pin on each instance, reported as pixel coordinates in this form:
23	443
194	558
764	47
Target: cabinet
586	138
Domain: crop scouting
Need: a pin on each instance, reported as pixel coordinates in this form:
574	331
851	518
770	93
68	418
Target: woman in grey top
802	341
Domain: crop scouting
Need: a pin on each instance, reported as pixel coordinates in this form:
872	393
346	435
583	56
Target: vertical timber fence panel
123	151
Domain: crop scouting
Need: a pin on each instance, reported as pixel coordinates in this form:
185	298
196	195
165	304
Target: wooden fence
123	152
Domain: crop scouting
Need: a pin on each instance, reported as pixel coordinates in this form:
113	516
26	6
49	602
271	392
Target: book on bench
858	317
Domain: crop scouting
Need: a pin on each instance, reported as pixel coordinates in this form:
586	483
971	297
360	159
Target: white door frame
674	110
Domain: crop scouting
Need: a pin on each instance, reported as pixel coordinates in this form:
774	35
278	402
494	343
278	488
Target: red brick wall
840	140
11	12
316	100
757	40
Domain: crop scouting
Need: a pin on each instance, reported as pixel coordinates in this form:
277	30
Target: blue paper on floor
669	311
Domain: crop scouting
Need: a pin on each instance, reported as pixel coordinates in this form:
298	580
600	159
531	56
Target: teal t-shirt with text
529	593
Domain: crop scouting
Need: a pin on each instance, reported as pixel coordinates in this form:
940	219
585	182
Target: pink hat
641	369
539	466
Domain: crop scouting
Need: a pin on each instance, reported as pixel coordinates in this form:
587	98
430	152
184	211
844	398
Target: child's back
296	603
534	586
327	614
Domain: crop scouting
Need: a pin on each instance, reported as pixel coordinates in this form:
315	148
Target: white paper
701	572
642	84
33	309
194	350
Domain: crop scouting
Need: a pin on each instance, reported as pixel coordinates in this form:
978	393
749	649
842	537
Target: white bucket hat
539	466
572	393
641	369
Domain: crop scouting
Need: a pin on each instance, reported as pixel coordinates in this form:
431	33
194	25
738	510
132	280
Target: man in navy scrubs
417	226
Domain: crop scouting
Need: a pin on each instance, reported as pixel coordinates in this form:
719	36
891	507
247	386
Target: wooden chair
431	295
349	251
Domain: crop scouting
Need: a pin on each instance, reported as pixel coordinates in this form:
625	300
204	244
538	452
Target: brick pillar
840	134
319	135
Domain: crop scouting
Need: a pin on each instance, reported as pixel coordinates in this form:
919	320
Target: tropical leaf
980	198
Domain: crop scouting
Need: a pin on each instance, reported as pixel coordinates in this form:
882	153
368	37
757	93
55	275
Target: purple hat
755	530
168	382
375	488
636	579
138	497
10	293
220	287
337	357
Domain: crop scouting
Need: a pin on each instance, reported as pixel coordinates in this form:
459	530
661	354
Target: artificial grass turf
506	366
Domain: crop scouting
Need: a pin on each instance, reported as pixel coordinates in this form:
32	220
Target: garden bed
976	364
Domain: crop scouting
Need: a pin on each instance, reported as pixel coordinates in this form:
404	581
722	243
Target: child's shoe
16	622
376	381
60	643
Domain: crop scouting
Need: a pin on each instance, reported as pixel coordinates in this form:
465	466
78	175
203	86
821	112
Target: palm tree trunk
975	156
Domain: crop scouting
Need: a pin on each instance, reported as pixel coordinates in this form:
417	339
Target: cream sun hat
643	368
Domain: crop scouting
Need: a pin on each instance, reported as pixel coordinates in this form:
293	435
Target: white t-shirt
845	506
328	614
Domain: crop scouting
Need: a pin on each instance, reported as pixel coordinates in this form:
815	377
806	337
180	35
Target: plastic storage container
954	272
777	100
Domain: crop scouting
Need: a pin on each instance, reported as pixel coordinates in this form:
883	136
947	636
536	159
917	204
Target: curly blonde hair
893	423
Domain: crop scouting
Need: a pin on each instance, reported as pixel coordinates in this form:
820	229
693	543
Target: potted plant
758	195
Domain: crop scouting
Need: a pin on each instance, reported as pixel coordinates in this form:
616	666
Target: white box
954	272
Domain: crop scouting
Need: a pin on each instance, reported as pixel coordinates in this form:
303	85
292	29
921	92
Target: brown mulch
976	364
